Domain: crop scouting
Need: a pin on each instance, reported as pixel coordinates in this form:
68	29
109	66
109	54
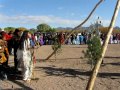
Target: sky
56	13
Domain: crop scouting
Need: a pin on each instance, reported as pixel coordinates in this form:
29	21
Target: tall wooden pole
97	66
77	27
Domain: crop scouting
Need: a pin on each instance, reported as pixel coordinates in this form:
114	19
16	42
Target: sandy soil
69	71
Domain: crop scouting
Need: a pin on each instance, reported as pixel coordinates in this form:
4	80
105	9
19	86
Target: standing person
111	39
78	39
36	39
72	38
10	43
119	38
114	38
5	37
24	56
16	38
41	40
81	38
61	38
3	59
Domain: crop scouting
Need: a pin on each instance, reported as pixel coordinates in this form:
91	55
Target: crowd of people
21	44
74	39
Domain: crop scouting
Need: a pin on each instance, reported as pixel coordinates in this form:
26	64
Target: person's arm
1	49
1	46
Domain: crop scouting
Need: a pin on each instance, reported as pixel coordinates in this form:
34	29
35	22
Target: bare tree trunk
77	27
97	66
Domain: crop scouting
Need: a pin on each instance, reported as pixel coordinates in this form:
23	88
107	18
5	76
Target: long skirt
26	63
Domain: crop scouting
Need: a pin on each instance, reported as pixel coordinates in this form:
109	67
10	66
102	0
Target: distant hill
118	28
64	28
70	28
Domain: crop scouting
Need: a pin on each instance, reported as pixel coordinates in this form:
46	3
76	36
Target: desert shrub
56	46
94	50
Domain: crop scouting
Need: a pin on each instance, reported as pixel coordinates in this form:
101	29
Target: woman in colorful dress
3	58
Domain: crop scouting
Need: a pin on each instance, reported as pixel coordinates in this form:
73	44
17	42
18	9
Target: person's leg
3	72
31	71
25	73
15	61
6	63
10	50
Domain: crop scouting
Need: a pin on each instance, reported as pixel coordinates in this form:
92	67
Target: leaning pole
72	31
91	81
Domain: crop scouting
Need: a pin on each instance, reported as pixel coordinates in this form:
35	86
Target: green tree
51	30
32	30
94	51
9	29
43	27
22	28
56	44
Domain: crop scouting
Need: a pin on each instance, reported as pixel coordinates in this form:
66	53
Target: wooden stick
97	66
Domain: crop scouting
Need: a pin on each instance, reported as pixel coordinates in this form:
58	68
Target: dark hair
2	34
10	32
16	31
22	39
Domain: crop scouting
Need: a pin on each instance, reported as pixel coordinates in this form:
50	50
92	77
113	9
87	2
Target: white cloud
105	22
51	20
29	19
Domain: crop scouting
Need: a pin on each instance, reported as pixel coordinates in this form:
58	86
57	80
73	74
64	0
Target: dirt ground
69	71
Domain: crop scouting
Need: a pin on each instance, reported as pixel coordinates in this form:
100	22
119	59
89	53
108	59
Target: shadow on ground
116	64
43	60
14	78
53	71
112	57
